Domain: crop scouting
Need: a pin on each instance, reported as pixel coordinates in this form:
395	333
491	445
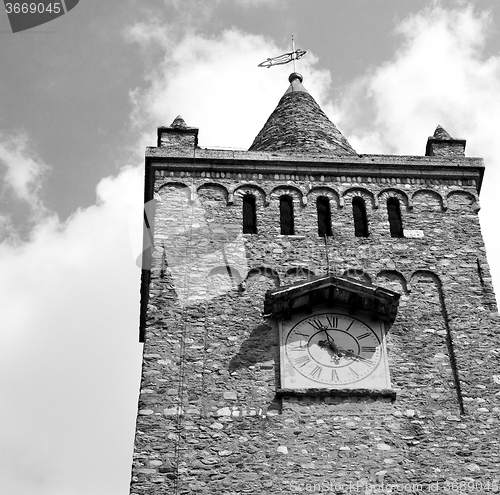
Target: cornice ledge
344	392
312	160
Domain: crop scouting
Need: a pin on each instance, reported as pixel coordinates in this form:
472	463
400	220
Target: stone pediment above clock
353	295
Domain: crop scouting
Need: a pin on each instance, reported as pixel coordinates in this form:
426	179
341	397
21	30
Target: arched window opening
360	219
324	216
394	212
249	214
286	215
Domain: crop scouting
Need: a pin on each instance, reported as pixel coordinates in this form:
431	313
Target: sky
81	97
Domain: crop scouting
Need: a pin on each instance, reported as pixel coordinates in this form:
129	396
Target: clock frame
331	349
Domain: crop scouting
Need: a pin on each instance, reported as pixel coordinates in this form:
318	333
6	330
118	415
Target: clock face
333	350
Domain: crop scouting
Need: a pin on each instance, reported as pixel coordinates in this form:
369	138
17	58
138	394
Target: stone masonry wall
209	421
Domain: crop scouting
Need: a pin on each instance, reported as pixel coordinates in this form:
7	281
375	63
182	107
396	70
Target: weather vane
285	58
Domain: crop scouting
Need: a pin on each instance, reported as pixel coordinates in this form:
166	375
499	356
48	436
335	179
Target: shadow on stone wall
258	348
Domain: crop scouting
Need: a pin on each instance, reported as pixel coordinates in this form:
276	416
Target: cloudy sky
81	97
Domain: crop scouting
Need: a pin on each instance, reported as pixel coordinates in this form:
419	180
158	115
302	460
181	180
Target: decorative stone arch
418	275
299	273
327	192
180	186
240	191
294	192
359	197
214	186
460	199
354	192
228	270
437	199
358	274
265	271
392	279
392	192
229	274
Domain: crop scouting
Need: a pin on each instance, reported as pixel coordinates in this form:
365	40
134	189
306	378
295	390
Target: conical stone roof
178	123
441	133
299	125
442	144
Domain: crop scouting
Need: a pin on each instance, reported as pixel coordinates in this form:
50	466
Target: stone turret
442	144
299	125
178	134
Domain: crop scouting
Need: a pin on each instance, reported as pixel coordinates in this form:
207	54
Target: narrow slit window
360	219
286	215
324	216
394	213
249	214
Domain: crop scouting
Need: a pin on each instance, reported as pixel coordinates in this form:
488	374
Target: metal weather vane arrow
284	59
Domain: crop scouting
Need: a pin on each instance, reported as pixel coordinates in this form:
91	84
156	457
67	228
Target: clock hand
330	345
327	335
331	342
326	342
351	354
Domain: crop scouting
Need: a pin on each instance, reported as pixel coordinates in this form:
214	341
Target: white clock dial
333	349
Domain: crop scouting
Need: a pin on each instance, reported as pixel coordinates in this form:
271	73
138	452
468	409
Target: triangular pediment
353	295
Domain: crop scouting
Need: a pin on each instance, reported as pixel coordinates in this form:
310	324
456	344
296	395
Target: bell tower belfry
314	319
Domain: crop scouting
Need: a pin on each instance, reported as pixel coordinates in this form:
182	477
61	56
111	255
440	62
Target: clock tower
314	319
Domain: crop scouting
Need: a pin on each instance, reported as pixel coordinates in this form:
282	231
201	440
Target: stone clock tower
315	320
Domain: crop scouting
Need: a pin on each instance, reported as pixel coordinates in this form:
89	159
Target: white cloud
23	169
167	25
260	3
22	178
69	352
439	75
215	84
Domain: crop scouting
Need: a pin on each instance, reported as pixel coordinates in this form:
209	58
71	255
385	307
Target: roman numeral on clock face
302	334
302	361
335	376
367	334
368	349
316	372
333	321
354	373
316	323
